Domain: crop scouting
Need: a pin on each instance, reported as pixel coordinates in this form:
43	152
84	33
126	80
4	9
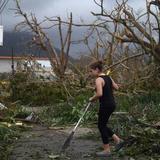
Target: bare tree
58	59
132	29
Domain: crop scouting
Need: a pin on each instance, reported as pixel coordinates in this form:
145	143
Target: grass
9	129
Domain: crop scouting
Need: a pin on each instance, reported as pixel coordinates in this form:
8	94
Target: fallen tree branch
123	60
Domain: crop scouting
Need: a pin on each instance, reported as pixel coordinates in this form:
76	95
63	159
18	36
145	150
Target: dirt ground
40	142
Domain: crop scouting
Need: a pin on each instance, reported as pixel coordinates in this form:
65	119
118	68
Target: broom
68	140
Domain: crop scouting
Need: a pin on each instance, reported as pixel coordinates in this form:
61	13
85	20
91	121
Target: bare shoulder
99	79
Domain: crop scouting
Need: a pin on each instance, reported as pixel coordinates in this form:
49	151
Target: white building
7	62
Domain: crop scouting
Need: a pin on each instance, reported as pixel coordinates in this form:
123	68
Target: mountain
19	43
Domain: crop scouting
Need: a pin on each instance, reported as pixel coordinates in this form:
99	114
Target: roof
19	57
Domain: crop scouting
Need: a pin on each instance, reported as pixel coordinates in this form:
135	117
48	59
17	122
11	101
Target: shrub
32	91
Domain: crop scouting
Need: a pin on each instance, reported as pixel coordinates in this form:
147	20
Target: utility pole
12	65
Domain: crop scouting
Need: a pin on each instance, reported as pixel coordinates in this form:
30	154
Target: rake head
67	142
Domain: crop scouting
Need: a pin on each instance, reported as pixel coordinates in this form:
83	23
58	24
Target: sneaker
103	154
119	145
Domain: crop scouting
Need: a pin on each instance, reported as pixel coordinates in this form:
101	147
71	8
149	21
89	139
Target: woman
104	92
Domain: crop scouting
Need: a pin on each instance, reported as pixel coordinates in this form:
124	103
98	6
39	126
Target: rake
68	140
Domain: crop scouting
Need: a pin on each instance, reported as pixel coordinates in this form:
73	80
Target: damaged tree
58	59
132	30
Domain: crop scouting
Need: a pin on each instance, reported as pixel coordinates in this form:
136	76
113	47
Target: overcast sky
81	9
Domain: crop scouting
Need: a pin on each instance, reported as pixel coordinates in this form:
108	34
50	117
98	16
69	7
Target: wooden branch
94	24
120	113
156	17
100	5
138	26
60	34
123	60
131	39
156	3
69	39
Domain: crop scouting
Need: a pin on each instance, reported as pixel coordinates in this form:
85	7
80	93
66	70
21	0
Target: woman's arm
99	89
114	85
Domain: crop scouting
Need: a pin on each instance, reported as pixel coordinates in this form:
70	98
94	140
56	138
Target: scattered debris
53	156
31	117
2	106
157	125
34	118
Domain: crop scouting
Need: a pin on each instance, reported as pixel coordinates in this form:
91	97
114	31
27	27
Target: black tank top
107	98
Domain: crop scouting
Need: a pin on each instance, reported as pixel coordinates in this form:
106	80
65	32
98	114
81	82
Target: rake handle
81	117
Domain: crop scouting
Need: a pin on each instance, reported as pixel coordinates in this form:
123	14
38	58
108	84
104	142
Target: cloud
81	9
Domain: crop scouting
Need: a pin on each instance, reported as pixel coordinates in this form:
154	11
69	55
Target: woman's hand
91	99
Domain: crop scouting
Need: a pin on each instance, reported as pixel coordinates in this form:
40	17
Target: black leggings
103	117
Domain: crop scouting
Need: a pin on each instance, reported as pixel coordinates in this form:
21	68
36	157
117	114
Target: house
6	63
39	65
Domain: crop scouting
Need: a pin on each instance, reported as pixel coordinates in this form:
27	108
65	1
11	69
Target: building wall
44	71
5	65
